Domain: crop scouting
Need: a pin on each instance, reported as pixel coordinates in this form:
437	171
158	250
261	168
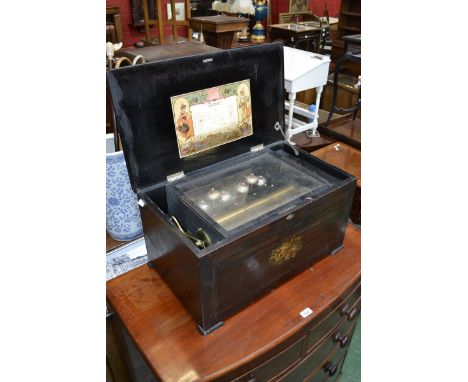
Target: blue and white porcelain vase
123	221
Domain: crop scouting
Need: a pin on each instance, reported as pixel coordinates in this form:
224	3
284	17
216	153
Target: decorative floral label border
212	117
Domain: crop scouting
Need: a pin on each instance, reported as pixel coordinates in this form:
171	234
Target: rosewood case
261	235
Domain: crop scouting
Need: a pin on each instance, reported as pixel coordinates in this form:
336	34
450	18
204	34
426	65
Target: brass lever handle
199	243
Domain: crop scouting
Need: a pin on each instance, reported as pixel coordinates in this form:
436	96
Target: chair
113	25
285	18
161	23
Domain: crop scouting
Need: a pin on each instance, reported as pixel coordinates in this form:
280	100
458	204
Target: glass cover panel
239	194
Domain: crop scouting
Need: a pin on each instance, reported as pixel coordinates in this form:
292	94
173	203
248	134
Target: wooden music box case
229	209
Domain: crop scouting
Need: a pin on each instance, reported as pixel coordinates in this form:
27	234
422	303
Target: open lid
142	94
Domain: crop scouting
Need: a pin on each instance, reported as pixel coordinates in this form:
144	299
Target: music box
230	210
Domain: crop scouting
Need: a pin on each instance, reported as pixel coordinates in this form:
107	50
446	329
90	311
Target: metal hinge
257	147
177	175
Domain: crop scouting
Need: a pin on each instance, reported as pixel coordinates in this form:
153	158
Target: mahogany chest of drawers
267	341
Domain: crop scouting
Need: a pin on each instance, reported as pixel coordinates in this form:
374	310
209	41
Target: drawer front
330	369
276	365
318	376
322	375
336	343
256	263
337	376
347	308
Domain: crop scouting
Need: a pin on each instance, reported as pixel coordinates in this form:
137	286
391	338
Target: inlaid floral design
286	250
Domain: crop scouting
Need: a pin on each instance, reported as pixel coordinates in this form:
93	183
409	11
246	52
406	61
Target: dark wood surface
179	48
311	143
166	336
220	23
230	274
343	156
348	159
219	31
305	38
344	129
238	44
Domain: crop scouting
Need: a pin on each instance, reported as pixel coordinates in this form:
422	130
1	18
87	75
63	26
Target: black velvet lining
141	96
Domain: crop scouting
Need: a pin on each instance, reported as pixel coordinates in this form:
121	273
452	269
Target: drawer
337	341
337	375
275	365
346	308
318	376
330	370
334	368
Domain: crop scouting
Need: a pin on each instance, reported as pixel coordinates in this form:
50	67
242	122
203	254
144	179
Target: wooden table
238	44
344	129
294	34
180	48
267	339
218	30
348	159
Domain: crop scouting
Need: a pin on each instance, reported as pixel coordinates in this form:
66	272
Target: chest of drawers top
166	336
